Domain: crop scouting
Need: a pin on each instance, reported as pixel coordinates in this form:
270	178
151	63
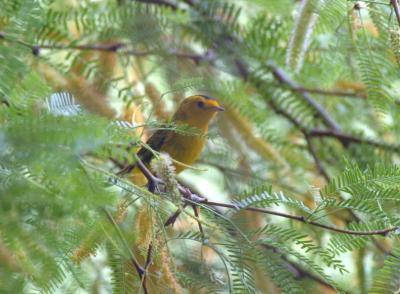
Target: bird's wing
156	141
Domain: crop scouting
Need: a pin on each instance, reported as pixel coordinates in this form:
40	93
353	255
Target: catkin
165	170
87	247
301	35
167	274
395	44
122	211
144	224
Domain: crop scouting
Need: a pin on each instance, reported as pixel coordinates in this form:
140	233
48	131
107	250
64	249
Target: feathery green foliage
299	172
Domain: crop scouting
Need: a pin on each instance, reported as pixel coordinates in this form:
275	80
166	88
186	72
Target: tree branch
396	8
116	47
286	115
296	269
346	139
303	219
329	92
149	259
317	160
160	2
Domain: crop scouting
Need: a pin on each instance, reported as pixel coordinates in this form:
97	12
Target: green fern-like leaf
353	178
387	279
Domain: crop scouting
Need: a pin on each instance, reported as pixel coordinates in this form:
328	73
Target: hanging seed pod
301	35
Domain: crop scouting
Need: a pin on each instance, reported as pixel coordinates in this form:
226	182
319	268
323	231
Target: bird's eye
200	104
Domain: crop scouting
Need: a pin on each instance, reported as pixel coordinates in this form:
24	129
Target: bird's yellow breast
185	149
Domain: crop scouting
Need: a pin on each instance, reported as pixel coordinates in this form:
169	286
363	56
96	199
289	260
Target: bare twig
300	218
148	262
160	2
346	139
317	160
286	115
196	213
172	219
116	47
113	47
149	256
396	8
330	92
296	269
151	179
335	92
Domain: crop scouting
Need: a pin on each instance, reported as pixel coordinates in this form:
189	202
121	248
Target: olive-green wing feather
156	141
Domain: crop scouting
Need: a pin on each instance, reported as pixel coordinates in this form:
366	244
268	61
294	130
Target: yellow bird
195	111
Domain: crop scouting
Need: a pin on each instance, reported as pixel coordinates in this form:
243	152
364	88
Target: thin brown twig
300	218
160	2
347	139
317	160
305	132
335	92
152	180
147	264
331	92
149	256
396	8
196	213
141	274
286	115
112	48
172	219
297	270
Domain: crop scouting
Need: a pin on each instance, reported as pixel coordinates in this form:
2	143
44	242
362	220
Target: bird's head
197	110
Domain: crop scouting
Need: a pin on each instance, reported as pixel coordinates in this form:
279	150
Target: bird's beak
215	106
